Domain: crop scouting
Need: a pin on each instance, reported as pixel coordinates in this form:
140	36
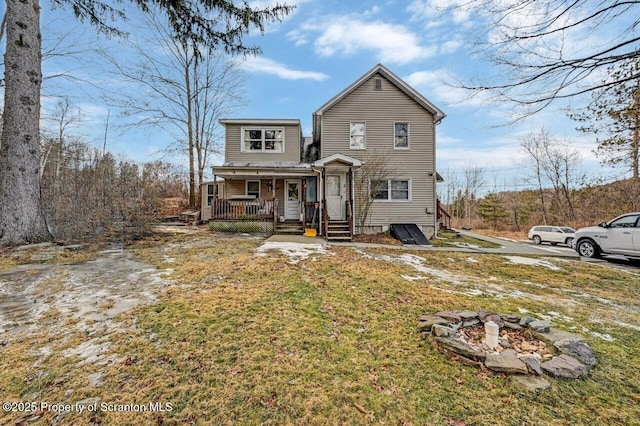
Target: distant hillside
518	210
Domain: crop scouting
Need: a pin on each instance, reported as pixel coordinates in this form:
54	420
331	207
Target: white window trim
408	147
246	187
210	197
263	150
389	199
364	136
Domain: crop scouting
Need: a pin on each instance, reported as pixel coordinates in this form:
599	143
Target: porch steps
289	228
338	231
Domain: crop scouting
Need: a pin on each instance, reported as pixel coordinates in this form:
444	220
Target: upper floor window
263	140
357	135
401	136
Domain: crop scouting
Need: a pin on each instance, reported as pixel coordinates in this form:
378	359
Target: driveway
528	248
521	247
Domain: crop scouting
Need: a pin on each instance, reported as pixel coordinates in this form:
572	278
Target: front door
292	198
336	190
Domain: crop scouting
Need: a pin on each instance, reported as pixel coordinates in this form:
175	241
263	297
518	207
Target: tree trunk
189	100
22	217
635	143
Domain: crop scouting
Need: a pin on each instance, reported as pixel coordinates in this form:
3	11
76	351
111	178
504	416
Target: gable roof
395	80
338	158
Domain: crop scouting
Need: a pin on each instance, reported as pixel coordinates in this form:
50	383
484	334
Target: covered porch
284	194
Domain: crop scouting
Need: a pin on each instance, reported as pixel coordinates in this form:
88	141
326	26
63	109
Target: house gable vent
377	84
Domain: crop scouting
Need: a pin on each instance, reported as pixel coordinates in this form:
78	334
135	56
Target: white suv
618	236
551	234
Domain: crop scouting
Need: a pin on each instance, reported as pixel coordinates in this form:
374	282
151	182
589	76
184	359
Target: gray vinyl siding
205	211
233	149
380	109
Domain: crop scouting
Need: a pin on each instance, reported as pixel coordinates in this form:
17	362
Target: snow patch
553	315
295	251
605	337
464	245
519	260
626	325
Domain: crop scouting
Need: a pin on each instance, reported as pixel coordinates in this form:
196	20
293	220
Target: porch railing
250	209
443	216
350	215
325	217
309	208
275	213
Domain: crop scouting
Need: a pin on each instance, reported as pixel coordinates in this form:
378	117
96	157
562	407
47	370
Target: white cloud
451	46
433	85
267	66
298	37
390	43
436	11
373	11
501	154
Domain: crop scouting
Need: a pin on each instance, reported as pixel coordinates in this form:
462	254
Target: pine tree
614	117
491	209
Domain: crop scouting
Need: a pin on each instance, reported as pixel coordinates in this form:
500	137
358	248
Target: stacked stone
572	357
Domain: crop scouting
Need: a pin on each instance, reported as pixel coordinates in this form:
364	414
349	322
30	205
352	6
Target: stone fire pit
527	348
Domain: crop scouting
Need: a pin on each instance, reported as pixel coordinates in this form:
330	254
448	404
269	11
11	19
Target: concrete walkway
507	247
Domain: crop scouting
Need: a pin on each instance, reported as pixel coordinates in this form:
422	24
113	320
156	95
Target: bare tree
533	144
448	189
185	93
550	49
555	167
515	202
63	117
207	24
561	166
473	181
368	179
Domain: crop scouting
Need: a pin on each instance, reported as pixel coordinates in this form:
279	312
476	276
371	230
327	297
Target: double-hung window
357	135
391	190
401	135
210	194
263	140
253	188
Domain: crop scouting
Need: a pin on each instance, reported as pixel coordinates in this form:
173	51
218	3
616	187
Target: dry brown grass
512	235
332	339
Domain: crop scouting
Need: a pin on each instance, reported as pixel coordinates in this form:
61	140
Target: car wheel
568	241
587	248
536	239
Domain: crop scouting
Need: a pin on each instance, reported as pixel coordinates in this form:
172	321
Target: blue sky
321	48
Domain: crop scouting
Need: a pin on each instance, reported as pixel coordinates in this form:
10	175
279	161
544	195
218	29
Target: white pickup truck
620	236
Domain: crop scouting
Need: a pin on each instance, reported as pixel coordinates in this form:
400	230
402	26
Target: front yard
233	334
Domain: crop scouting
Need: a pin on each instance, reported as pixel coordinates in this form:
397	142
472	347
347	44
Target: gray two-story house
370	163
